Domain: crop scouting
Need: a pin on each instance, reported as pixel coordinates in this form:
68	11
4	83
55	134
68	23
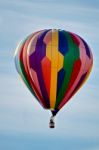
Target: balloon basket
52	123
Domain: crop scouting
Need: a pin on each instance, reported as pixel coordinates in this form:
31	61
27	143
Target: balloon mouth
54	112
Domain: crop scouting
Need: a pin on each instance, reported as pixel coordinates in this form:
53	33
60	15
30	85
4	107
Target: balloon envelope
54	64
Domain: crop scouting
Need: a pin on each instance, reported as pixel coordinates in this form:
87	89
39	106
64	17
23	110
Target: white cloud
19	111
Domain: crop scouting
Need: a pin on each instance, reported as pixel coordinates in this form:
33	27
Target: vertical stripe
35	90
63	43
69	59
54	62
87	48
35	80
35	63
60	79
46	71
83	62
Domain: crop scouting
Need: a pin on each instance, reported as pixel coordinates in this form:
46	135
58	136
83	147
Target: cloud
28	16
21	117
20	113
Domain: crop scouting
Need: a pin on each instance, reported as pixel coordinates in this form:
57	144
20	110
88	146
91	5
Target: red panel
46	69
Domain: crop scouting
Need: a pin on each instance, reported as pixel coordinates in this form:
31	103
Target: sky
23	122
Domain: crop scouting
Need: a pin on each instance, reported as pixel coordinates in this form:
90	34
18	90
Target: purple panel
35	63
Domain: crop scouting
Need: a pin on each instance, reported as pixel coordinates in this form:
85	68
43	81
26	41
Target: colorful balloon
53	64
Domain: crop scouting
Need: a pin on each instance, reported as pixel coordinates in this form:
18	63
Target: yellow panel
60	61
53	87
54	62
54	38
54	57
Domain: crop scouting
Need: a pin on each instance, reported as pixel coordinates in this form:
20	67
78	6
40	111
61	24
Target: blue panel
63	43
60	79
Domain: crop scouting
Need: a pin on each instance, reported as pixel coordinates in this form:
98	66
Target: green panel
69	59
20	66
24	77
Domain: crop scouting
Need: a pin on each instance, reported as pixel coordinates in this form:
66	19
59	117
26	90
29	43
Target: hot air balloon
54	64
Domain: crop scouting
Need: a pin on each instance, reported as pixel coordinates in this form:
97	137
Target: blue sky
23	123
